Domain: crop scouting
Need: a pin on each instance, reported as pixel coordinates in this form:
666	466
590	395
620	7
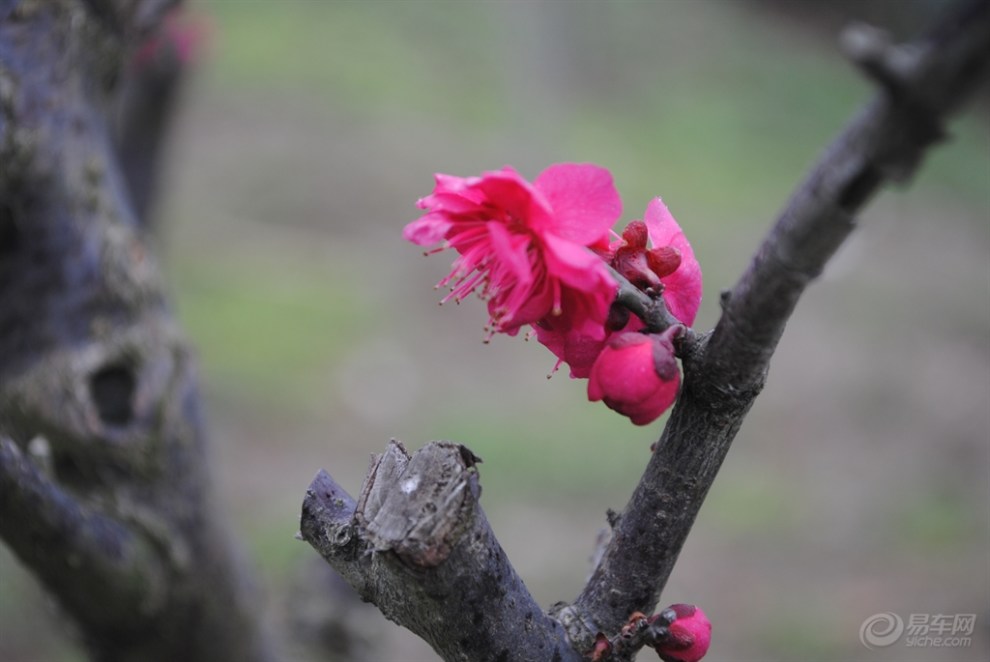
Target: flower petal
625	377
583	198
427	229
516	200
452	194
579	267
510	250
576	339
683	288
650	409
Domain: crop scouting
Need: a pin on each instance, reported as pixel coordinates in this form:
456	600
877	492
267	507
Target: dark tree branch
418	545
650	308
726	370
39	519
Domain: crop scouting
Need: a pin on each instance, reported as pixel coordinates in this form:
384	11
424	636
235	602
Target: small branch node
897	69
884	62
724	297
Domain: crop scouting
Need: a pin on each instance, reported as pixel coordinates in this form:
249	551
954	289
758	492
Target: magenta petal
581	353
511	253
625	378
578	267
576	339
450	203
650	410
583	198
596	391
452	194
682	292
577	351
535	306
428	229
515	198
660	224
624	369
683	288
576	336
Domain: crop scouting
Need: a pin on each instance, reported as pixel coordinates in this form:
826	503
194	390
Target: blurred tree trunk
104	471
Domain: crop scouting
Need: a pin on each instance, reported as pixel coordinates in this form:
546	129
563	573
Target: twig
652	310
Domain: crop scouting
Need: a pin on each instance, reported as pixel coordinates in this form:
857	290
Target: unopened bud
688	636
635	235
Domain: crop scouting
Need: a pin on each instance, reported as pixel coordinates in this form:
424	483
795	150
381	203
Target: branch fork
724	370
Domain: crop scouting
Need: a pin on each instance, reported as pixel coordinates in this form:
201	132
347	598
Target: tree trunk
104	471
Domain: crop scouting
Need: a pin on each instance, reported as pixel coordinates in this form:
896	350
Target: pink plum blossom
636	375
690	635
526	247
539	253
669	266
576	339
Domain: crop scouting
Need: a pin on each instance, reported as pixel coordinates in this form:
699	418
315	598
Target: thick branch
725	371
418	545
123	530
78	553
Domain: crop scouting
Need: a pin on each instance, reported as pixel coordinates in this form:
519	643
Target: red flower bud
635	235
636	375
690	635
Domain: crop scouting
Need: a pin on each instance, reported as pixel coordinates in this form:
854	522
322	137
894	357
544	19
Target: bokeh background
859	482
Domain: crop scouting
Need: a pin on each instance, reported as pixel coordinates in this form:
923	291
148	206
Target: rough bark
104	470
418	545
921	84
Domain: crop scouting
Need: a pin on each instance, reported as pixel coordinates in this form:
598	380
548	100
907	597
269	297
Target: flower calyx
644	267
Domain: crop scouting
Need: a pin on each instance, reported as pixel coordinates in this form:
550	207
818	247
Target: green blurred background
859	482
